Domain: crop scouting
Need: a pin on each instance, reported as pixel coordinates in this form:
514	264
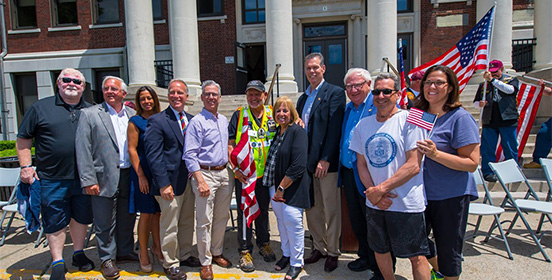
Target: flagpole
484	93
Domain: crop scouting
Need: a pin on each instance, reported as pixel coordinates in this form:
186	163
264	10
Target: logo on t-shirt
380	149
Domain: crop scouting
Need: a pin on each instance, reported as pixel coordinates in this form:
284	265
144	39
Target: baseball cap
495	65
255	84
418	75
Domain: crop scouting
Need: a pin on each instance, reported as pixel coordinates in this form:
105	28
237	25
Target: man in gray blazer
104	171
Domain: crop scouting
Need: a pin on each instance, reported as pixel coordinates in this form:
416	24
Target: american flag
469	54
528	100
242	157
404	97
420	118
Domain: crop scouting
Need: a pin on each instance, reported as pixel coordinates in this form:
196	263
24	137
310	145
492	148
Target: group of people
107	162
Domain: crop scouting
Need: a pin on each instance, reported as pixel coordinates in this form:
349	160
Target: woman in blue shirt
451	154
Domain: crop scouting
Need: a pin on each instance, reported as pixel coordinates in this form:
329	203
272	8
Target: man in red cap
415	83
500	116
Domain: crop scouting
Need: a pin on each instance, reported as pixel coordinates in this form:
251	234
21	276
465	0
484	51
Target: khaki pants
324	218
212	213
177	227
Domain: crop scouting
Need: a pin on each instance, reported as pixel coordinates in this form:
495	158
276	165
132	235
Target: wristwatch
280	188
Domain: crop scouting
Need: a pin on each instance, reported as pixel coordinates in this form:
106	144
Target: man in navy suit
321	109
164	142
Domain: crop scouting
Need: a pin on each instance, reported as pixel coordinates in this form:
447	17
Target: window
106	11
208	8
157	9
64	12
253	11
25	93
23	14
404	6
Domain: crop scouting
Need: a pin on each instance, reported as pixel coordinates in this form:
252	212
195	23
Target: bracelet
235	169
26	166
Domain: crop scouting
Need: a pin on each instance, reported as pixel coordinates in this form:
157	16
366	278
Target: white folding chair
486	208
547	167
508	172
9	179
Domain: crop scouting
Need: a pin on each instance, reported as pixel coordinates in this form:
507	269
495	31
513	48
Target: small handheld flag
422	119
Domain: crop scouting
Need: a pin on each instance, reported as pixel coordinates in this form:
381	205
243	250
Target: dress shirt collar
112	111
310	91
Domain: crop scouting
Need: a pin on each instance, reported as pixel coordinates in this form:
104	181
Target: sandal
293	272
282	263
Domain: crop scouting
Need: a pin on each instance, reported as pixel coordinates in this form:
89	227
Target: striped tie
182	123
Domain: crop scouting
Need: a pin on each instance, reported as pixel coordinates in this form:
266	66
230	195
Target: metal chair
509	172
486	208
9	179
547	167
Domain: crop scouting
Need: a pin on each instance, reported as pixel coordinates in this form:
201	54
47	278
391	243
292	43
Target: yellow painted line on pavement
34	274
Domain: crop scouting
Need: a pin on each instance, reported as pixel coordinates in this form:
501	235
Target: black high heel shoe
282	263
293	272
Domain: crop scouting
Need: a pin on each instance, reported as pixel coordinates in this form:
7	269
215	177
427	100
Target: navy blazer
164	145
324	126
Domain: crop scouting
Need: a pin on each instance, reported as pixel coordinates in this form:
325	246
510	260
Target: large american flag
528	100
242	157
469	54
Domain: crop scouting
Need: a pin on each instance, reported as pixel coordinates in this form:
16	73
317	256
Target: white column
382	33
543	33
298	64
279	43
358	39
501	45
185	43
140	42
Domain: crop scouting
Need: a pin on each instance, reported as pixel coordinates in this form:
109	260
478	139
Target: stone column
358	39
543	33
185	43
501	44
279	44
382	34
140	42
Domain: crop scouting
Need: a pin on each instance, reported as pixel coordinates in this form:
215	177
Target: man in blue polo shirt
52	122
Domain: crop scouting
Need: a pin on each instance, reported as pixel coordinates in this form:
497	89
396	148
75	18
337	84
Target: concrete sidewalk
20	260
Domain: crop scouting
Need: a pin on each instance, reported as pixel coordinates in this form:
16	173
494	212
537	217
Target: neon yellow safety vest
259	137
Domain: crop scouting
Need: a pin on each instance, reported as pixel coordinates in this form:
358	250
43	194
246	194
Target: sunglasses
68	80
386	91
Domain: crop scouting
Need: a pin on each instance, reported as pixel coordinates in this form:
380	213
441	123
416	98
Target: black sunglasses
386	91
68	80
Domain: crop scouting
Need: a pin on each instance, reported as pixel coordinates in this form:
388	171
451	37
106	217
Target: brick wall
85	38
216	41
437	40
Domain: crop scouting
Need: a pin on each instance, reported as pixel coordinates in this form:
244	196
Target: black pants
261	222
357	215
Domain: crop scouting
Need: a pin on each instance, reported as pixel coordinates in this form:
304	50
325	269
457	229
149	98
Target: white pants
292	233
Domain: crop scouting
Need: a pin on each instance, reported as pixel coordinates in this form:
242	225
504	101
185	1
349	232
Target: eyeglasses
356	86
436	83
208	94
386	91
68	80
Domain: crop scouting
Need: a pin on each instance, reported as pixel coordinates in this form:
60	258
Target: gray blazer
97	150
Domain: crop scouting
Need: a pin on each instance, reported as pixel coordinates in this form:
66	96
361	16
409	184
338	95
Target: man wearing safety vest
261	131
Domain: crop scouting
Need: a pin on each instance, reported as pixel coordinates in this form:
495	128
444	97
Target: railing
164	69
522	54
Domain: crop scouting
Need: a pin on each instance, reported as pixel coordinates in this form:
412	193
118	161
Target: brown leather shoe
110	270
175	273
222	261
314	257
191	262
206	272
330	264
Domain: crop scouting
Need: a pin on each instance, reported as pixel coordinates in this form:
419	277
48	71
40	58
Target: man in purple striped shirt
206	156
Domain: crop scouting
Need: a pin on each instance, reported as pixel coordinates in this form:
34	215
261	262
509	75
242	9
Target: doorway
331	41
250	65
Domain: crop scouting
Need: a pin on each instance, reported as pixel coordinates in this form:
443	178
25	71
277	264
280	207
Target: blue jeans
489	140
544	141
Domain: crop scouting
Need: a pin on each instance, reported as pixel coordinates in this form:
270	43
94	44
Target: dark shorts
448	219
62	200
404	234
